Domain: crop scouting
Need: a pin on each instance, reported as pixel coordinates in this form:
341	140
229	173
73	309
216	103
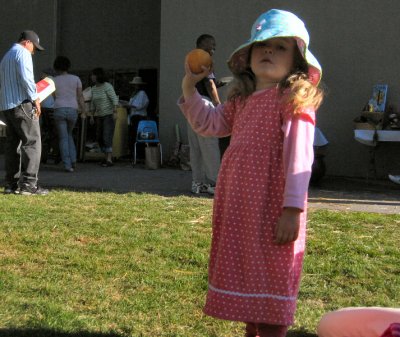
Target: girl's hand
287	228
190	80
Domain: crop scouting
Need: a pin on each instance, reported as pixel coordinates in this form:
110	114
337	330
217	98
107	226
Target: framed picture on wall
378	100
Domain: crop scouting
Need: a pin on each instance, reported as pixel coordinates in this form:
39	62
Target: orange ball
197	58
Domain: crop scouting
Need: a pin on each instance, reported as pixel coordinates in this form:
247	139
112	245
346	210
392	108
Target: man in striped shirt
20	106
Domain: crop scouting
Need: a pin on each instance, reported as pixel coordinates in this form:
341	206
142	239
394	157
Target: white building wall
37	15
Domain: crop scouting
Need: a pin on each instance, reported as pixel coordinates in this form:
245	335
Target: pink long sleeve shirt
298	137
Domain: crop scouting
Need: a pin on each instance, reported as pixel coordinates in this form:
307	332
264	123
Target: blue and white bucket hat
272	24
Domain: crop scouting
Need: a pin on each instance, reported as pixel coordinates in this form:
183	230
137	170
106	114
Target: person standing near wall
137	105
104	105
69	98
47	128
204	151
21	109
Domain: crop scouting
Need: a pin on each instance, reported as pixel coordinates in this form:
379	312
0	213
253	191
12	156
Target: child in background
260	200
359	322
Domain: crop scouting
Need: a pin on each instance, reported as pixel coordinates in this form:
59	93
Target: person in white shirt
137	105
68	100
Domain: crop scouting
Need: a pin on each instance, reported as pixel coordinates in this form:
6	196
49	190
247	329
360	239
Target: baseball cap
31	36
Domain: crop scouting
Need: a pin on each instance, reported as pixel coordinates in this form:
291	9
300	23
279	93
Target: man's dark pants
23	146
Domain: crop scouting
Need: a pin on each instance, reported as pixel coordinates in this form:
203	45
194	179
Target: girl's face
272	60
93	78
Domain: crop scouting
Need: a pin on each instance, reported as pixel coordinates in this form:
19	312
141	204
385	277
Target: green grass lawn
105	264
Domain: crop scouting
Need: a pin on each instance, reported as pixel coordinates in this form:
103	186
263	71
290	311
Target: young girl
261	196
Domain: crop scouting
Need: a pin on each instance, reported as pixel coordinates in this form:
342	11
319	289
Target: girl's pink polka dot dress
266	167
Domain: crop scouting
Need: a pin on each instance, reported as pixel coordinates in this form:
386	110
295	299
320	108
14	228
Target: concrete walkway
342	194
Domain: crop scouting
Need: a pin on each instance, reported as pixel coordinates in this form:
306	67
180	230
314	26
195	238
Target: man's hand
287	228
38	109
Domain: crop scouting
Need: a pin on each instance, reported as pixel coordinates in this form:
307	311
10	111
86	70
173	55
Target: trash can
120	140
152	157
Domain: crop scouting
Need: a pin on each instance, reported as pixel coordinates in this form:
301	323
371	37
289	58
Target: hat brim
314	68
131	82
38	46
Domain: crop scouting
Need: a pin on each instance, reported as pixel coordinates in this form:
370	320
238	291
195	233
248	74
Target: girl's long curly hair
297	89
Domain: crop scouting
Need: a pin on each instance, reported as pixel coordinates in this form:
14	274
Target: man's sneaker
395	179
211	189
31	190
10	188
198	188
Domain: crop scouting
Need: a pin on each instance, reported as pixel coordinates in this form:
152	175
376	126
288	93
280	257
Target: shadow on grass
55	333
52	333
343	201
298	333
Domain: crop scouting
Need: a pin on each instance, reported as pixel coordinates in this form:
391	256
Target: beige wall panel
121	34
355	41
37	15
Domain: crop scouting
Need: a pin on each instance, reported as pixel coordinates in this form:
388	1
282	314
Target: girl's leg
269	330
251	330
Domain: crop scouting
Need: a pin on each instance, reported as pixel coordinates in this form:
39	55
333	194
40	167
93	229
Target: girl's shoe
69	170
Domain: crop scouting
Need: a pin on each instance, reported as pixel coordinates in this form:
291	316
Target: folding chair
147	133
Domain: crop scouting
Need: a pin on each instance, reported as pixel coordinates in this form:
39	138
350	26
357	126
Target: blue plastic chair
147	133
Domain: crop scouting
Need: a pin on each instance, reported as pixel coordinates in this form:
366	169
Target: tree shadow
40	332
